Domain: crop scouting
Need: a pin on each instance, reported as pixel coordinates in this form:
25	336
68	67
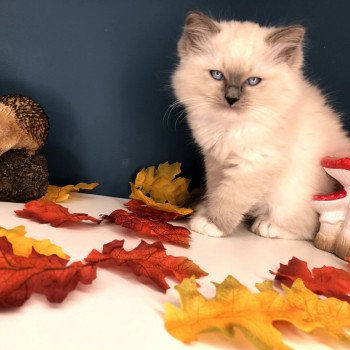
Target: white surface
119	312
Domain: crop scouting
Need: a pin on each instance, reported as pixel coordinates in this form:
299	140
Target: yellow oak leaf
254	314
60	194
160	189
23	245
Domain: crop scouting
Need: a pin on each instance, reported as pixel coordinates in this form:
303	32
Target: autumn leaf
255	314
46	211
60	194
23	245
159	189
148	260
158	229
327	280
144	211
20	276
161	184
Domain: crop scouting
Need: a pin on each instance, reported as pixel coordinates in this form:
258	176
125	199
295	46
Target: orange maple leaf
148	260
156	228
145	211
46	211
326	280
49	275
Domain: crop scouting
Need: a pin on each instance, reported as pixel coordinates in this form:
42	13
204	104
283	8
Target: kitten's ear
197	28
287	43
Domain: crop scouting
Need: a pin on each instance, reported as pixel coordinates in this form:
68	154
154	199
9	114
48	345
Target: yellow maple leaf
234	306
60	194
159	189
23	245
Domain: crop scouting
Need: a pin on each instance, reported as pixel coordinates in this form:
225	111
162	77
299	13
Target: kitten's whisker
192	102
172	106
167	114
178	117
165	117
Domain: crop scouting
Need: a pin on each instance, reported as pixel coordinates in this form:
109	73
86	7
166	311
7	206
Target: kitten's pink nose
231	100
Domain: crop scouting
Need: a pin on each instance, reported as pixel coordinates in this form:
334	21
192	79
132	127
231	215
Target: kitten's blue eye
217	75
252	81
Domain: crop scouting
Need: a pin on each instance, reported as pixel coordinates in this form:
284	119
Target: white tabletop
119	312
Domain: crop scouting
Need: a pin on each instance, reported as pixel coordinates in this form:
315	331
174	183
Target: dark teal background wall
101	70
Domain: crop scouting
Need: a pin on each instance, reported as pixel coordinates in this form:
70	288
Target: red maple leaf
148	260
145	211
327	280
49	275
46	211
161	230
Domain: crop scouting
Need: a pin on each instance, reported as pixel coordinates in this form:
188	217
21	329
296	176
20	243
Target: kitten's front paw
262	228
265	228
201	224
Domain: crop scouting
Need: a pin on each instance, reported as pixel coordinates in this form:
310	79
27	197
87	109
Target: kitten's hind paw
201	224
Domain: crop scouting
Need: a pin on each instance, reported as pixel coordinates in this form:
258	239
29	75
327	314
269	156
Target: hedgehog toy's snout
23	124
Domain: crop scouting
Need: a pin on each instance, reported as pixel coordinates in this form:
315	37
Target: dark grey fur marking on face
235	78
233	91
197	28
233	88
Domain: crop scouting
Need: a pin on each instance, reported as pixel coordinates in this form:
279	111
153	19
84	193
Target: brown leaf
326	280
145	211
163	231
46	211
49	275
148	260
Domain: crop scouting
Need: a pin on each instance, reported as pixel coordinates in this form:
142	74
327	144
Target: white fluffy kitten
262	127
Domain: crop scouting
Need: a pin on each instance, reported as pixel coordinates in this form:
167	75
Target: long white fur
262	159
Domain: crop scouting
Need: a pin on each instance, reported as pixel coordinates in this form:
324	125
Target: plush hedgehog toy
23	124
24	128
